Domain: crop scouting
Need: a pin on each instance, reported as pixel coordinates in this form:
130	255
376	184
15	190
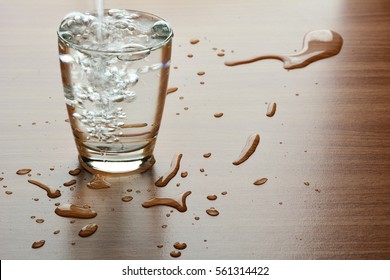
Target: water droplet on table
174	168
250	147
127	198
317	44
23	171
175	254
88	230
98	182
212	211
271	109
75	172
260	181
70	183
38	244
51	192
74	211
180	245
171	202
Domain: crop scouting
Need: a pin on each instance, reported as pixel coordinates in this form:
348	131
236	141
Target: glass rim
118	52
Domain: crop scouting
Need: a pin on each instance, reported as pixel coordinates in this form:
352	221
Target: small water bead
75	172
212	212
260	181
194	41
74	211
38	244
175	254
180	246
250	147
171	90
212	197
88	230
23	171
271	109
70	183
127	198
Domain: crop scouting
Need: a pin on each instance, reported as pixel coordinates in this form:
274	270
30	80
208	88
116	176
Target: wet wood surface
325	152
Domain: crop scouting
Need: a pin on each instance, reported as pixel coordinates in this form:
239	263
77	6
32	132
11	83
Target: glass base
117	168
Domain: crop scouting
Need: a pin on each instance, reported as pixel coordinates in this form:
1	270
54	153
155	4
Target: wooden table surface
331	130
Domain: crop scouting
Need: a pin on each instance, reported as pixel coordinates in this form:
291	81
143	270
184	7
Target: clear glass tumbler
115	73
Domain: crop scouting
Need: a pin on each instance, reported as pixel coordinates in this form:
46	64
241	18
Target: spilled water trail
318	44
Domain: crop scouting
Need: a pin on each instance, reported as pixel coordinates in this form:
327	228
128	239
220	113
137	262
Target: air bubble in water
133	79
144	69
113	12
156	66
121	24
129	97
66	58
133	52
67	35
161	29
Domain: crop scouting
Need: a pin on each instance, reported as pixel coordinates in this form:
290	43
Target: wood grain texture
331	130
